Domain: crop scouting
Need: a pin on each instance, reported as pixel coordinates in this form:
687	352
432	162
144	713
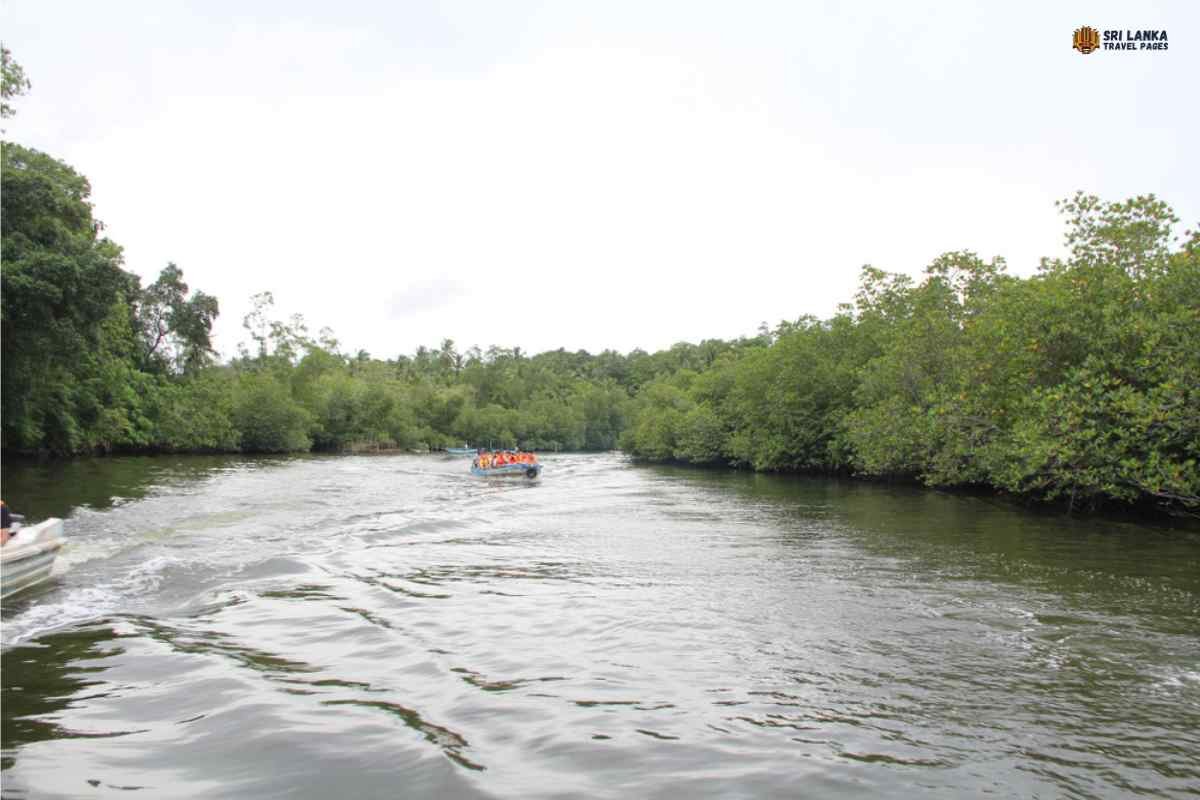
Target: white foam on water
77	606
1183	679
81	604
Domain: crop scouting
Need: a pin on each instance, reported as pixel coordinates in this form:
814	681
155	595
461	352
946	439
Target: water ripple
608	631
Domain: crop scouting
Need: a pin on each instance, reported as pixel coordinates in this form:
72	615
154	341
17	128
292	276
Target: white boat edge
28	557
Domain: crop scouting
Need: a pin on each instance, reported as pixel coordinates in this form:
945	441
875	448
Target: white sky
591	175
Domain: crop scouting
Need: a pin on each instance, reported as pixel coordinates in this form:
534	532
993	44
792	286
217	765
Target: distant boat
529	471
461	451
28	557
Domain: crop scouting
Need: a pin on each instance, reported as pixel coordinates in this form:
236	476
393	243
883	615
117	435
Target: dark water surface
388	626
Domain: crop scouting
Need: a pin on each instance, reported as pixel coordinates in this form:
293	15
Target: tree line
93	361
1080	383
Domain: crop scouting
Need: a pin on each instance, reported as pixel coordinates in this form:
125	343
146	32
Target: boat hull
28	557
527	471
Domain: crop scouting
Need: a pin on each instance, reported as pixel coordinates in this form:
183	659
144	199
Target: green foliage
603	409
60	283
658	422
13	82
175	330
700	437
1079	384
266	417
785	401
278	344
196	415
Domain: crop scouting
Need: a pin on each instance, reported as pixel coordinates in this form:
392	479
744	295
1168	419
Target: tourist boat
28	557
529	471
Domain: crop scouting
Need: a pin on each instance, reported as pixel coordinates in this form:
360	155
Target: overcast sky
591	175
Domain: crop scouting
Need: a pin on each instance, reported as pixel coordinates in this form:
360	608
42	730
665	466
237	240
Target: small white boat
28	557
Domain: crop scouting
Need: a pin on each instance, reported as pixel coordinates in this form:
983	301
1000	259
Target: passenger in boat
5	523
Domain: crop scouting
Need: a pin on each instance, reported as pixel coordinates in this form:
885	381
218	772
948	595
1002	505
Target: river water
388	626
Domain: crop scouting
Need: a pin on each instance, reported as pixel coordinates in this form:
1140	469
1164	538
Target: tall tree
175	329
13	82
61	280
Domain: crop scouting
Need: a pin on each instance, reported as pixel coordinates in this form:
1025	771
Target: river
388	626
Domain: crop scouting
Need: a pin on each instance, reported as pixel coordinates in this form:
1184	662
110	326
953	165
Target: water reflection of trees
42	679
55	488
977	536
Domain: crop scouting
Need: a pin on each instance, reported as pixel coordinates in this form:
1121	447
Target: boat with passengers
506	463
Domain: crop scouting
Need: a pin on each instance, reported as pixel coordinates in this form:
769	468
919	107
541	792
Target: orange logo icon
1086	40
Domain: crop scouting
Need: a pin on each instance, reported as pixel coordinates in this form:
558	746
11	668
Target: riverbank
1145	511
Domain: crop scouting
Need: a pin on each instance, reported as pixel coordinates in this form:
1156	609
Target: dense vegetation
93	361
1081	382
